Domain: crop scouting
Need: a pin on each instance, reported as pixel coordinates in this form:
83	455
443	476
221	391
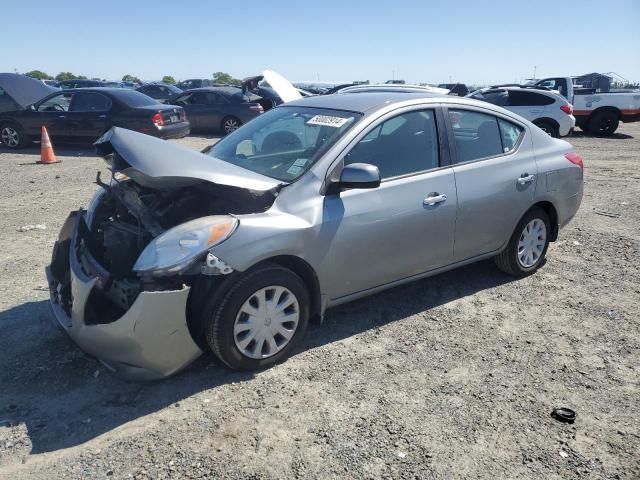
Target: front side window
90	102
284	142
402	145
476	135
57	103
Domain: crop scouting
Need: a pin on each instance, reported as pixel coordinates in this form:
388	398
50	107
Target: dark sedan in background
218	108
83	115
159	91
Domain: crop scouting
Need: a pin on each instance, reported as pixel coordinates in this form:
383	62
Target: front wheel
260	320
527	246
230	124
12	136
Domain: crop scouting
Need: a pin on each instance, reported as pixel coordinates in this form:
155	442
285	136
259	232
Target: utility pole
393	74
534	71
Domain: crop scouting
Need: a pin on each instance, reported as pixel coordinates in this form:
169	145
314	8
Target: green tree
169	79
131	78
38	74
223	77
65	76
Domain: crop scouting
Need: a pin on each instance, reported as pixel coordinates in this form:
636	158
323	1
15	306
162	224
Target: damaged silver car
313	204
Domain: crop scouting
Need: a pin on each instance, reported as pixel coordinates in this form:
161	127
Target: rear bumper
175	130
150	341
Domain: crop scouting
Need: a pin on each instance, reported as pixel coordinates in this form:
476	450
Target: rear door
405	226
495	175
527	104
89	115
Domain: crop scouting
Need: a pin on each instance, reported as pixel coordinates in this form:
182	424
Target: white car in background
548	110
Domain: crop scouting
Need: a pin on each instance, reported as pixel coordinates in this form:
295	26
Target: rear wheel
230	124
548	128
260	319
12	136
527	246
603	123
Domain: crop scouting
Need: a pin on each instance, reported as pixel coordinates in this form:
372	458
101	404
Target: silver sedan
310	205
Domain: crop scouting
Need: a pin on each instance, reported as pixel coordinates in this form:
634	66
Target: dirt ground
453	377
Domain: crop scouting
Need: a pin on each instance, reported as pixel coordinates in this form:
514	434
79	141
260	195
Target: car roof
362	102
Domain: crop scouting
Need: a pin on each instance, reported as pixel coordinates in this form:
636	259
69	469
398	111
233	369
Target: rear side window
90	102
519	98
402	145
510	134
476	135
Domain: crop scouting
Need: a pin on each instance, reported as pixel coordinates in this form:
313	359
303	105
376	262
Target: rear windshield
286	141
133	98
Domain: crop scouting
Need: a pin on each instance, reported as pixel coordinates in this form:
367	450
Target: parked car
77	83
196	83
459	89
597	112
159	91
17	91
312	204
546	109
218	108
50	83
83	115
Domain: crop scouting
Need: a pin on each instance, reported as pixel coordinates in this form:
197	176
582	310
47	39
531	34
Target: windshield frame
238	136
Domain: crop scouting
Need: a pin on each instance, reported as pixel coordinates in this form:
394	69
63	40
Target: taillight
158	120
256	108
574	158
567	108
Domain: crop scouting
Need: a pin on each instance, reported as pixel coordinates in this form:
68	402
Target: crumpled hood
165	161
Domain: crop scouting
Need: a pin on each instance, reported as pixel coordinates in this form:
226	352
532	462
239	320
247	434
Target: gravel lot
448	378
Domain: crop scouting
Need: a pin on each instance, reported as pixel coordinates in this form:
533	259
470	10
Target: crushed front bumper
151	340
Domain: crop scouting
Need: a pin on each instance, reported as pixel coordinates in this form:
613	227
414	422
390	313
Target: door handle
62	116
434	198
524	179
102	116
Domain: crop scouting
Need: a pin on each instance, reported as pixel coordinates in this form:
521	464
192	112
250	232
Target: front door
405	226
53	114
495	174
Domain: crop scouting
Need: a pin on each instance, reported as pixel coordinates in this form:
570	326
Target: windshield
284	142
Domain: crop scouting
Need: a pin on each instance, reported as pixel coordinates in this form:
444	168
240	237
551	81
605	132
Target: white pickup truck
596	112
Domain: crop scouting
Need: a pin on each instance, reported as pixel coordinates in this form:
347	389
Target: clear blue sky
469	41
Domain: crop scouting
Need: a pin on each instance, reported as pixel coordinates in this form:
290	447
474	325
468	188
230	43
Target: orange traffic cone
46	150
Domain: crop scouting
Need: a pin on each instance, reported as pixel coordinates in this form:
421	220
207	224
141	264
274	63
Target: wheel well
553	122
308	276
550	210
607	109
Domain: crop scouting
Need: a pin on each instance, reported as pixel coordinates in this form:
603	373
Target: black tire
9	132
508	260
230	124
549	128
221	316
603	123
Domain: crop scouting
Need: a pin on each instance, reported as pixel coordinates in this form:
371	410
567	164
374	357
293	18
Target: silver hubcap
266	322
531	244
9	137
230	125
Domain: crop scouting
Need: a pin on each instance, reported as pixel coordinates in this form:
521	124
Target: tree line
218	77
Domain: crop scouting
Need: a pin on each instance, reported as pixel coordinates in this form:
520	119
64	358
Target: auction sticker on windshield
327	121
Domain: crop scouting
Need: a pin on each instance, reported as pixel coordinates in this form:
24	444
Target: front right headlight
178	248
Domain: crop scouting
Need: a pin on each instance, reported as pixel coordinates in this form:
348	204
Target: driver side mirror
32	108
357	175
